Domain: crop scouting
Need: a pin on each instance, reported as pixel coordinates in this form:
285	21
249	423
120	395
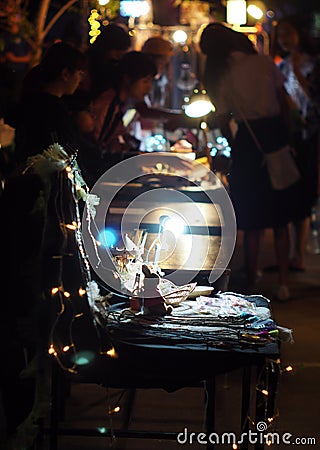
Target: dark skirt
257	205
307	161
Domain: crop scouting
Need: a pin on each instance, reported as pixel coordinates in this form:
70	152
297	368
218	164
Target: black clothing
257	205
42	120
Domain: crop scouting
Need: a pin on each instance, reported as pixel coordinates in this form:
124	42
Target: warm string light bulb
66	348
51	350
78	315
77	184
72	226
112	353
263	391
114	410
94	25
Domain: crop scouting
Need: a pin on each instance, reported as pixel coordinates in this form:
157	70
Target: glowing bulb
265	392
112	353
289	369
95	26
103	2
180	36
67	294
174	224
68	169
54	290
134	8
66	348
236	12
107	237
71	226
114	410
81	292
234	446
78	315
51	350
255	12
199	108
270	14
203	125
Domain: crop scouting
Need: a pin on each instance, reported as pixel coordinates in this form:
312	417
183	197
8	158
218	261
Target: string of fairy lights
70	175
79	192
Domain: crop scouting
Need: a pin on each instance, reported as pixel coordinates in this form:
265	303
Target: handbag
282	168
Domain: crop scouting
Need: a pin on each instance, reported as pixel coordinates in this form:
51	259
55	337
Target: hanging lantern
237	12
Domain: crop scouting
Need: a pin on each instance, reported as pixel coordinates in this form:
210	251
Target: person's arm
171	119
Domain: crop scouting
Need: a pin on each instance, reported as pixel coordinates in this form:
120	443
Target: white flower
91	202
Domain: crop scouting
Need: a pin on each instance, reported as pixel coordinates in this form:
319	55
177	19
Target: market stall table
192	345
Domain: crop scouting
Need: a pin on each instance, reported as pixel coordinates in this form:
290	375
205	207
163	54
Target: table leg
55	407
210	386
245	405
261	406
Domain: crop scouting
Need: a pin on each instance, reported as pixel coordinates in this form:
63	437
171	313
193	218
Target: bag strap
252	133
245	121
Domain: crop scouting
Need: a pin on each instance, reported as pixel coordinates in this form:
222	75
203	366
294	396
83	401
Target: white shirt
251	85
292	85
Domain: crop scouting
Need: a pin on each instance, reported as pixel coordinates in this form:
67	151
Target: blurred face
115	54
72	80
140	88
288	37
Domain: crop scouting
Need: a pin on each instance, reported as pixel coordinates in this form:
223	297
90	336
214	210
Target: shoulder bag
282	168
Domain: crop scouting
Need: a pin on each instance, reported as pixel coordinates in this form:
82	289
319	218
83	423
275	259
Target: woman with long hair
42	117
248	88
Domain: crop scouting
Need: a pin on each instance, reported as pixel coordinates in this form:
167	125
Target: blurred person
41	118
301	67
103	57
160	51
15	58
32	203
246	85
103	122
155	111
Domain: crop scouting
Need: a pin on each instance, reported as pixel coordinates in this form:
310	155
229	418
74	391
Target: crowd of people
79	100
